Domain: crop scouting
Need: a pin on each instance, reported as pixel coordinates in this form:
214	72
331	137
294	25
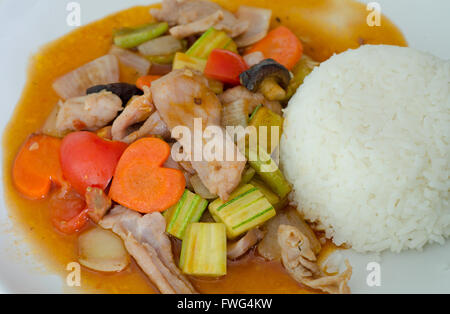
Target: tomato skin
88	160
225	66
68	211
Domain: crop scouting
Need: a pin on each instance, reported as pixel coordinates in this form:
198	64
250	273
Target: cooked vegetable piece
269	77
105	133
98	203
216	86
254	58
301	70
243	245
269	247
162	59
141	183
204	250
37	166
102	250
183	61
200	188
235	113
225	66
189	209
282	45
49	127
248	175
265	190
132	60
88	160
246	208
146	81
259	20
124	90
104	70
273	124
254	112
68	211
269	172
160	69
161	46
133	37
212	39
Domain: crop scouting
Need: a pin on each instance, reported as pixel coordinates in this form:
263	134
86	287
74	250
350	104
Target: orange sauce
325	27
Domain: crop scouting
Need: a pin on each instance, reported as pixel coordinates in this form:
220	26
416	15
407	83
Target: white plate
26	25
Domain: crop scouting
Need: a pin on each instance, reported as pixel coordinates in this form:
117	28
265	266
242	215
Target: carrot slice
282	45
141	183
37	166
146	81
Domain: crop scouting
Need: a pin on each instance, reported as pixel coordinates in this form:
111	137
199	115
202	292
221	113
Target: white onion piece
200	189
235	113
161	46
132	60
259	20
254	58
104	70
102	250
49	127
243	245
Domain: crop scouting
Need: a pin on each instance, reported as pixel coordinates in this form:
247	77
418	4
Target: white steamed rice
366	147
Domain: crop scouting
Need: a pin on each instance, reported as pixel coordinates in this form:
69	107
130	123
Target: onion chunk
102	250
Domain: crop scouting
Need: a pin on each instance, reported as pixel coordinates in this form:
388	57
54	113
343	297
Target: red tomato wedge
68	211
88	160
225	66
282	45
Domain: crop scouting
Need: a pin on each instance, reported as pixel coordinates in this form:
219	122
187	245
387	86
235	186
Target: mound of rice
366	147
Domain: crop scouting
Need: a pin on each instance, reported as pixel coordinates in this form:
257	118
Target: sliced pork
90	112
253	99
145	239
183	96
301	263
138	110
182	12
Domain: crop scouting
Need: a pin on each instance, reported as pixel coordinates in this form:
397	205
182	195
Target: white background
25	25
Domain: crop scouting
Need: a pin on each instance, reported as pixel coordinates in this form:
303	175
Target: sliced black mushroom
123	90
268	77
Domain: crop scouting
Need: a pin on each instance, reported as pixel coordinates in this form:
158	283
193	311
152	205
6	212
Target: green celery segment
210	40
246	209
132	37
189	209
268	171
265	120
204	250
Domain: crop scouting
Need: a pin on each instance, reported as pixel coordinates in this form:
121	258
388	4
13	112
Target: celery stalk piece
268	171
301	70
204	250
246	208
264	117
248	175
189	209
271	196
133	37
162	59
210	40
183	61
